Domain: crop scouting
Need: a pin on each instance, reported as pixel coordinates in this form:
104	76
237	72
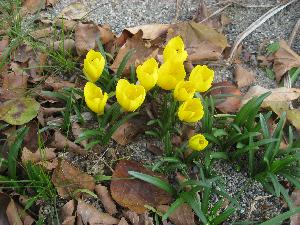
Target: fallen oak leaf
232	100
38	156
134	193
201	42
142	51
108	203
90	215
86	37
139	219
243	76
14	85
67	210
57	84
61	142
183	215
67	179
150	31
284	60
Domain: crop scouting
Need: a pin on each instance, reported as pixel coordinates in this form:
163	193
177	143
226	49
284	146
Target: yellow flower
184	90
198	142
94	98
191	110
130	96
170	74
174	50
147	73
202	77
93	65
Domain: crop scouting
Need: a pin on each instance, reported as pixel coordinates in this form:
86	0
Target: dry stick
243	4
254	26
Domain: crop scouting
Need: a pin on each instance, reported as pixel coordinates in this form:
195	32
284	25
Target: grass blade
172	208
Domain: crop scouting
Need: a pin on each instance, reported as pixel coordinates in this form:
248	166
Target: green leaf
14	152
86	191
272	48
172	208
223	216
19	111
275	183
153	180
280	218
264	126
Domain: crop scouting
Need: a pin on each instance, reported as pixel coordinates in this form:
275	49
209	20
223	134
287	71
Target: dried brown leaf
14	85
42	33
150	31
69	220
67	178
183	215
139	219
128	131
67	25
87	34
90	215
74	11
67	45
108	203
243	76
134	193
229	103
123	221
67	210
142	51
281	94
23	53
32	6
50	2
62	143
76	130
3	44
284	59
38	156
295	196
57	84
201	42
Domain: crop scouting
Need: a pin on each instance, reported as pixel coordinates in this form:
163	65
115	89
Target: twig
243	4
294	32
255	25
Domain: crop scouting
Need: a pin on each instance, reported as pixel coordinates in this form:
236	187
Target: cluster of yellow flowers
169	76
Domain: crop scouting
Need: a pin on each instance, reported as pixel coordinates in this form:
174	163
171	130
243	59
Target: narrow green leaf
172	208
223	216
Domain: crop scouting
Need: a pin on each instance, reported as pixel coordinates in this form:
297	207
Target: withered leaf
14	85
74	11
123	221
142	51
67	210
150	31
108	203
227	104
87	34
295	196
284	59
61	142
90	215
201	42
56	83
67	178
39	155
32	6
3	44
243	76
139	219
183	215
134	193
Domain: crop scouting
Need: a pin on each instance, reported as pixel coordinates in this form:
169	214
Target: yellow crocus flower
191	110
174	50
94	97
202	77
130	96
147	73
184	90
170	74
198	142
93	65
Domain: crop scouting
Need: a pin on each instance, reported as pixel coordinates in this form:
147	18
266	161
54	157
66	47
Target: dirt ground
121	14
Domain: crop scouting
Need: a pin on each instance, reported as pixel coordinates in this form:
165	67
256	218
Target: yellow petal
94	98
93	65
174	50
191	110
170	74
147	73
202	77
184	90
198	142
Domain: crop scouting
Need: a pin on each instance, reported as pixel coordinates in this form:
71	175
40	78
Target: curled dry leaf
281	94
42	33
69	221
67	179
67	25
142	51
67	45
128	131
183	215
32	6
201	42
295	219
19	111
23	53
227	104
38	156
150	31
243	76
139	219
87	34
90	215
62	143
67	213
74	11
108	203
134	193
14	85
57	84
284	59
